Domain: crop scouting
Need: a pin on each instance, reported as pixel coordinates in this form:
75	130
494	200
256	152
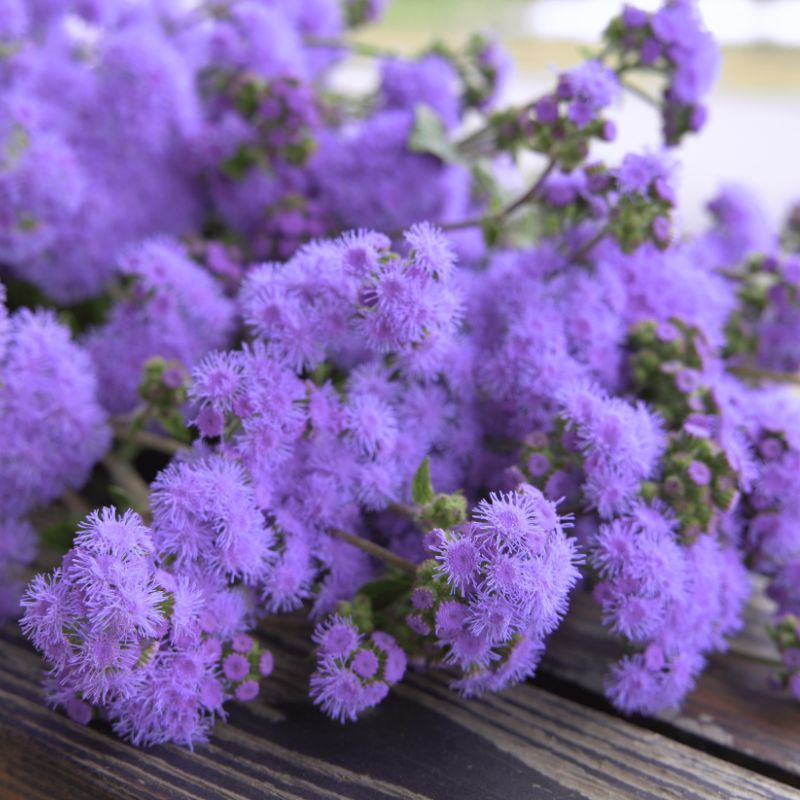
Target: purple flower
140	643
50	419
621	444
588	88
353	673
638	173
431	81
649	594
235	667
265	664
174	310
459	560
699	473
634	17
509	571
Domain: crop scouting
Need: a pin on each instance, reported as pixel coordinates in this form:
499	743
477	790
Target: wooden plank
732	706
423	742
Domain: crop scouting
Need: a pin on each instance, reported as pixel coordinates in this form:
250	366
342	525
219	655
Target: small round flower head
459	560
336	637
431	251
217	380
361	251
266	664
235	667
512	519
371	423
246	691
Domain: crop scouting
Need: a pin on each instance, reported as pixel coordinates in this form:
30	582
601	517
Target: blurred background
753	133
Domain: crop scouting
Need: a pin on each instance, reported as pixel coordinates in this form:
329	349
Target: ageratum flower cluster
356	363
52	430
495	588
146	626
353	672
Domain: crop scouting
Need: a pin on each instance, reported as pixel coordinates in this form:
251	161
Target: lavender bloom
51	427
673	40
690	47
432	81
368	177
588	89
741	226
95	152
174	309
206	518
594	352
145	644
42	183
362	292
650	593
354	672
509	573
621	444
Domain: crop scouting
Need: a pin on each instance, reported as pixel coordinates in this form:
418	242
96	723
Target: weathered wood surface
423	742
732	708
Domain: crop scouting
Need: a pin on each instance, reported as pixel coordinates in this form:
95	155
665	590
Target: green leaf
59	535
385	590
249	98
486	184
241	162
421	488
491	227
429	136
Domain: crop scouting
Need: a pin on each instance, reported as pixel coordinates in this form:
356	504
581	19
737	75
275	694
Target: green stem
468	145
506	212
357	48
640	93
381	553
531	193
758	374
128	479
403	510
152	441
584	249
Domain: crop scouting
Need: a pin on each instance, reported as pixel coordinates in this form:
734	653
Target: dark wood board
423	742
732	707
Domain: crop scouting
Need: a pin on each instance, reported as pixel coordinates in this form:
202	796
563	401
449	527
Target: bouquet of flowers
305	349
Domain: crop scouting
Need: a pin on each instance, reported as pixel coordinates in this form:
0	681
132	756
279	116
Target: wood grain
732	706
423	742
